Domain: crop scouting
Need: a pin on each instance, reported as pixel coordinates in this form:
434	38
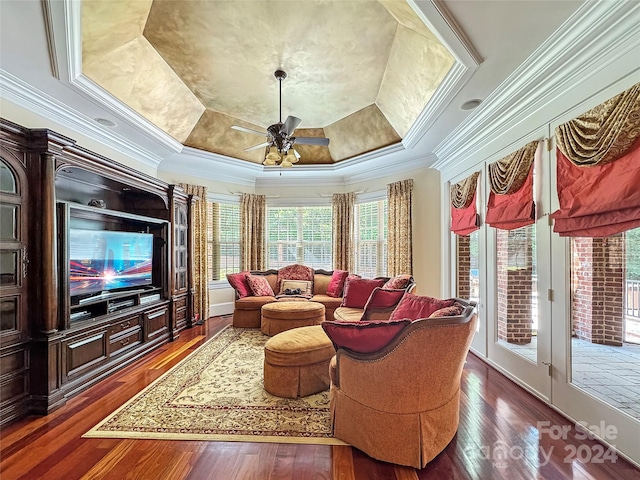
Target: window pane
223	239
299	235
605	318
371	238
8	225
7	180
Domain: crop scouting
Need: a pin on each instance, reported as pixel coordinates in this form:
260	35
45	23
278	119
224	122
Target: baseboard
221	309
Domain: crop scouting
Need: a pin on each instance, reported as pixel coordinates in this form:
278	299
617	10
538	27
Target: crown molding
32	99
212	166
597	34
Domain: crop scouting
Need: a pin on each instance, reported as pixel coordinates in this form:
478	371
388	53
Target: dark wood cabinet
65	324
14	279
182	250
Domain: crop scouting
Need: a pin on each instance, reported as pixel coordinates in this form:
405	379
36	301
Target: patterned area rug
216	394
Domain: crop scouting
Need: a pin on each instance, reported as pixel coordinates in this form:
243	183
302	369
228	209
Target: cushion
294	272
259	285
416	306
363	337
295	287
398	282
239	282
336	285
452	311
358	290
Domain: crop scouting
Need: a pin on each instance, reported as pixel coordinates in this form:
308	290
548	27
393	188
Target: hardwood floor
496	417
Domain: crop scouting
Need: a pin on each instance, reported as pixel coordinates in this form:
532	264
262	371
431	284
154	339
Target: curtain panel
464	215
342	230
399	224
253	212
598	169
199	223
511	204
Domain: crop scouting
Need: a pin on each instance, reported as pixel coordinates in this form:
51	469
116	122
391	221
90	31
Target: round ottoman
280	316
296	362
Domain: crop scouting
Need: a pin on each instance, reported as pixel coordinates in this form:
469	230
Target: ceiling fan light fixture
286	164
290	157
273	157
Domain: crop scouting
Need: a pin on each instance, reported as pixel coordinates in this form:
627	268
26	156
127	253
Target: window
223	239
299	235
371	238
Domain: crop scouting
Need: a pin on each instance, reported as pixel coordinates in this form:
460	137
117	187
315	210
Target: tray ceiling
359	73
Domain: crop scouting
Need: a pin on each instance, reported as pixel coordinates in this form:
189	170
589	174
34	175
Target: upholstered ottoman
280	316
296	362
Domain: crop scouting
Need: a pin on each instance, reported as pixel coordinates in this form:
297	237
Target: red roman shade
464	216
511	204
598	171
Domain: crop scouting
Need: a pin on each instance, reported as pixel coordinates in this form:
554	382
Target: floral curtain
464	216
253	211
511	204
342	233
399	235
200	258
598	169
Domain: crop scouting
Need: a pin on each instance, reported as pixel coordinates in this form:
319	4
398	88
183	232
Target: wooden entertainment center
59	331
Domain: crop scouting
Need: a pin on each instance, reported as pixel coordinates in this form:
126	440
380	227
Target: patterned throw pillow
363	337
304	287
336	284
414	307
358	290
239	282
260	286
398	282
452	311
294	272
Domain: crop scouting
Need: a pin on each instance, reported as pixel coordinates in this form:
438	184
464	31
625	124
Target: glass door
518	311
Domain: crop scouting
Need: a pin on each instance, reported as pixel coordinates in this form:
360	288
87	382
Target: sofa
246	313
395	386
321	288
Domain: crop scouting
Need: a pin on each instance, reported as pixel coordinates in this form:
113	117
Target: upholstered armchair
400	404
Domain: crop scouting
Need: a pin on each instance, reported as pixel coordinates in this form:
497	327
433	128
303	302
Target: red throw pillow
358	290
336	285
363	337
239	282
383	298
414	307
259	285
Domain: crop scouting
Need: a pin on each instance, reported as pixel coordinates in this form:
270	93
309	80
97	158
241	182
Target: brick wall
515	284
463	247
598	279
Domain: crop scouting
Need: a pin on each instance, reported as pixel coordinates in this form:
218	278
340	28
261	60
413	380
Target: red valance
465	221
515	208
601	200
464	216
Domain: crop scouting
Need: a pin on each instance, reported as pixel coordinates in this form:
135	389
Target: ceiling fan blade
312	141
256	147
290	125
248	130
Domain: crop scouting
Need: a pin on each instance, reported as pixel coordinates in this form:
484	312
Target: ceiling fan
280	137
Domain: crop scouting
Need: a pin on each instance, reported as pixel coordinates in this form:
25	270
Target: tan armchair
401	404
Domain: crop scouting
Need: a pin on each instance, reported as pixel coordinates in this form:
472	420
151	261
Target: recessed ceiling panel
108	25
138	76
415	70
360	132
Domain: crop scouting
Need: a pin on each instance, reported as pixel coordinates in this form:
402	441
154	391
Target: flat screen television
102	260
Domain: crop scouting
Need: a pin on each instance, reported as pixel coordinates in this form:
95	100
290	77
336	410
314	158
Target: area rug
217	394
